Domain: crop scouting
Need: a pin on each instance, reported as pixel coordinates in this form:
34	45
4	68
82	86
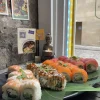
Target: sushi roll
76	61
52	80
57	81
33	68
14	68
30	90
28	72
66	72
79	75
48	62
61	68
91	65
11	90
49	77
55	60
14	73
12	78
63	58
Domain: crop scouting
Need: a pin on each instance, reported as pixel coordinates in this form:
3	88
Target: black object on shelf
37	41
37	48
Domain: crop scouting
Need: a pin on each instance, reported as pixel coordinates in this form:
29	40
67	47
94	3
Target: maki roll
79	75
63	58
11	90
14	68
30	90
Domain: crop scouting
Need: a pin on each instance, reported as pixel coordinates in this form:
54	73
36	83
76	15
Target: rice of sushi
30	90
28	72
11	90
12	78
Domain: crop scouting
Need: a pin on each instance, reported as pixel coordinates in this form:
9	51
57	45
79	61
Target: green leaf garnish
65	65
23	75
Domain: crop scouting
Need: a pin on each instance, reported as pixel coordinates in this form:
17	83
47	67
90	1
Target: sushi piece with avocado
11	90
48	76
91	65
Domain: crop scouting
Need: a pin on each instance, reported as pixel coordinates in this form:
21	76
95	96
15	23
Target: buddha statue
47	52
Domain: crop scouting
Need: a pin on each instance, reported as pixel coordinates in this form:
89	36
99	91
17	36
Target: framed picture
3	7
26	40
20	9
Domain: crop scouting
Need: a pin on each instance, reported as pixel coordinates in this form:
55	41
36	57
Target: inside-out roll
30	90
66	71
48	77
13	78
13	68
14	73
11	90
79	76
91	65
29	74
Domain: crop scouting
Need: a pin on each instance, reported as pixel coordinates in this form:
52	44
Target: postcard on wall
20	9
26	40
3	7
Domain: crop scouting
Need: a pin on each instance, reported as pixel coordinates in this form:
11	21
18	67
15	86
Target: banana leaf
71	88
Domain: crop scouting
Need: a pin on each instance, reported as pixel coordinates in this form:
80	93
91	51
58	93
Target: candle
48	50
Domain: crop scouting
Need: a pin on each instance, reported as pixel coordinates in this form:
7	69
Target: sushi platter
56	78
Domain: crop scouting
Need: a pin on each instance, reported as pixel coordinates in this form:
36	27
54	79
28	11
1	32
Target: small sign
26	40
40	34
